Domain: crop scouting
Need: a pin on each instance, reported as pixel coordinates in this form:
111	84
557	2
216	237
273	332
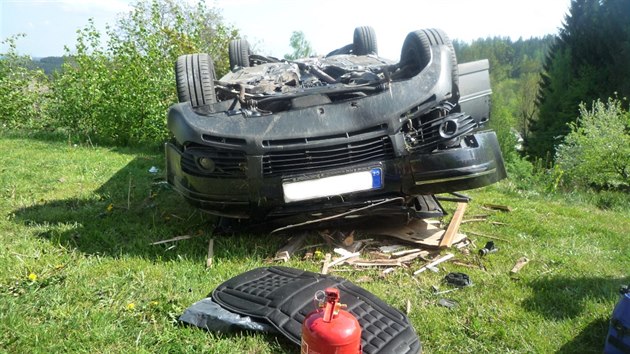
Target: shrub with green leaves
23	92
119	89
596	153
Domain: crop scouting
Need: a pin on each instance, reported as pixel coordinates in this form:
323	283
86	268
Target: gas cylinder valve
330	329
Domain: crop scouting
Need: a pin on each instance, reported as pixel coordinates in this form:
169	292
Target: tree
23	92
589	61
514	72
119	90
596	152
301	47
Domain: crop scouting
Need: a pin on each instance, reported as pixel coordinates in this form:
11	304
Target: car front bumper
250	193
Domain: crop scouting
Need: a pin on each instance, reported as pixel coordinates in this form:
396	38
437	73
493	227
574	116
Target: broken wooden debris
391	248
467	265
389	262
345	256
497	207
375	263
210	253
327	259
406	252
434	263
419	232
294	243
336	216
487	236
467	221
386	271
453	226
520	263
347	239
356	246
174	239
327	237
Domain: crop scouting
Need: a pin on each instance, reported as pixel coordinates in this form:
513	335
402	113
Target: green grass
81	219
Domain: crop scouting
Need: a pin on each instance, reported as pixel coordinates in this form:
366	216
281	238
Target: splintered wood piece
346	257
405	252
498	207
420	232
177	238
326	262
391	262
294	243
346	239
520	263
434	263
411	256
210	253
375	262
453	226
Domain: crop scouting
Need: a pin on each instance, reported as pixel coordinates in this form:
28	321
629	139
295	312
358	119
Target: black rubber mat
284	296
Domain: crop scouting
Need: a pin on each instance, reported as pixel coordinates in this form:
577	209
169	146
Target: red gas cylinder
329	329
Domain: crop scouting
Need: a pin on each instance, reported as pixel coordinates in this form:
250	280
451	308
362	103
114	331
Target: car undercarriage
348	134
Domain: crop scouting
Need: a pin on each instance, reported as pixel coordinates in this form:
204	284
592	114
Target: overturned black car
349	133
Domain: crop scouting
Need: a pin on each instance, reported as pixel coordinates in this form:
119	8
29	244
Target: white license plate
333	185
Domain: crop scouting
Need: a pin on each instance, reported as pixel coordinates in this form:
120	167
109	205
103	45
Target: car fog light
448	128
207	164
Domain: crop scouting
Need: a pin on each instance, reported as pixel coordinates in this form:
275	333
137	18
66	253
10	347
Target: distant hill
48	64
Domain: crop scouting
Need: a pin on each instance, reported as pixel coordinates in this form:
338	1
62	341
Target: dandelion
32	277
154	303
131	306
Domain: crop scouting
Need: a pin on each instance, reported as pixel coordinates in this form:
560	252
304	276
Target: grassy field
79	273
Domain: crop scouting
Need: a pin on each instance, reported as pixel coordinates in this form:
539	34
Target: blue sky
327	24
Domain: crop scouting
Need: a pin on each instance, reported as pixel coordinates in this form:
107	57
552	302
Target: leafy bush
23	92
119	90
596	153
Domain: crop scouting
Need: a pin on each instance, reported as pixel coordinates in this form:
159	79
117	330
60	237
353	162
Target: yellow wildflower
32	276
131	306
110	207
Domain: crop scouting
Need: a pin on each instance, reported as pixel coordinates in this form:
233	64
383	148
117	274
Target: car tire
239	52
364	41
415	53
194	74
438	37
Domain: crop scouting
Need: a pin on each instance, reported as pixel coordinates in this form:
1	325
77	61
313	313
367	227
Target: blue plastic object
618	339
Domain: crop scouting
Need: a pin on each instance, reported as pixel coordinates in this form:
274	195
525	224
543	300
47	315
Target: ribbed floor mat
284	296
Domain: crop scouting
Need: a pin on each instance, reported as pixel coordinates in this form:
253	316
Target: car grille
424	135
327	157
228	163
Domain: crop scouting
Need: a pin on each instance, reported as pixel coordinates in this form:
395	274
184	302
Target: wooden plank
392	262
497	207
453	226
519	265
420	232
174	239
434	263
210	253
326	262
488	236
294	243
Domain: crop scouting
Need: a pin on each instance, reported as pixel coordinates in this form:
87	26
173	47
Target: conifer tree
590	60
